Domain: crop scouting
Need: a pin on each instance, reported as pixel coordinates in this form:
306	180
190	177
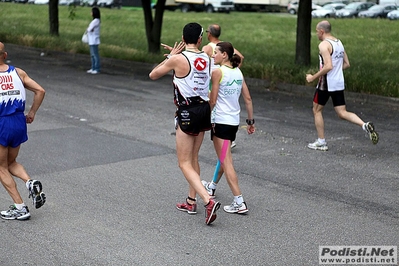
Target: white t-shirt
93	32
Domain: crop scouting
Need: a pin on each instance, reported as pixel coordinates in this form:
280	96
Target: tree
303	33
53	17
153	27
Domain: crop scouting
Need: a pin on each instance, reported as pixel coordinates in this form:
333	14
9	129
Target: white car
292	7
393	15
327	11
41	2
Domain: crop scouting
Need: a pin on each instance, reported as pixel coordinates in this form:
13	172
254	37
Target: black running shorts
224	131
194	119
321	97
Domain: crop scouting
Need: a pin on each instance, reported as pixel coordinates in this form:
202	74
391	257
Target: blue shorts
13	130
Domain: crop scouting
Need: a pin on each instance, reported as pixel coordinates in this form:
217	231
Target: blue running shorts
13	130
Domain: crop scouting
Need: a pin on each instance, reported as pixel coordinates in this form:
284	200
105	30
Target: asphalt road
102	145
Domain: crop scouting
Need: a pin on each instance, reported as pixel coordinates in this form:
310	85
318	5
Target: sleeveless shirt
13	93
227	108
334	79
196	82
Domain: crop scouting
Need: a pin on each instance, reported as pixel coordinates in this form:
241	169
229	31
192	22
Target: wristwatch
250	122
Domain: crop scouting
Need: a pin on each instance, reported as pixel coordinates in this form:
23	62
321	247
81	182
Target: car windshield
328	7
376	8
352	6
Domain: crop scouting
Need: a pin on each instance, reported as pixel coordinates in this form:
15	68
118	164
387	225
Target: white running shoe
35	191
89	71
210	191
236	208
14	214
233	144
318	146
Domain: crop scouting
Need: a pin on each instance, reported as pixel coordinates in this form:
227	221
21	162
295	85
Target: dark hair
192	32
215	30
96	12
226	47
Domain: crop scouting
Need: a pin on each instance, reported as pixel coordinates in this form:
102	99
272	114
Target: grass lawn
267	40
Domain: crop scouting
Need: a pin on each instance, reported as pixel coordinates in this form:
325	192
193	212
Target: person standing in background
93	32
13	132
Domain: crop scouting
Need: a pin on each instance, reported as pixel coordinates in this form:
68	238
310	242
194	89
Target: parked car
41	2
377	11
327	11
353	9
393	14
292	7
109	3
88	2
69	2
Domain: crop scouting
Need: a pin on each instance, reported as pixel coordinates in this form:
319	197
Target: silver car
377	11
393	14
353	9
327	11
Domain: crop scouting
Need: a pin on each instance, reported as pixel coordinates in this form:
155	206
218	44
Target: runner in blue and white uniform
13	132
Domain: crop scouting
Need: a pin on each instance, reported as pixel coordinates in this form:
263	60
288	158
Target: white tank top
196	83
334	79
12	93
227	108
213	66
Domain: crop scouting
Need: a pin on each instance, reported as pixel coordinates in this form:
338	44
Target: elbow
151	76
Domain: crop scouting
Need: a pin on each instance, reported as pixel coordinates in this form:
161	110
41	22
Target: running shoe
373	135
35	191
210	191
187	207
233	144
236	208
210	211
14	214
318	146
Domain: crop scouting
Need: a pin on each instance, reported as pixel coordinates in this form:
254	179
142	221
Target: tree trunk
153	28
303	33
53	17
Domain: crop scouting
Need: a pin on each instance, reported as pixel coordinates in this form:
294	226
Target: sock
364	127
27	184
239	199
19	206
212	185
321	141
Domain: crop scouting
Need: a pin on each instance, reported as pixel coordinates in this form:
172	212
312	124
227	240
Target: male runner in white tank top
333	60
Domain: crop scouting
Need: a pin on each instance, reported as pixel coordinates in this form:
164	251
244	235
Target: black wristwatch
250	122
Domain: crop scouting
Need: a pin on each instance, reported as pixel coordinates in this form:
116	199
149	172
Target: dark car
353	9
377	11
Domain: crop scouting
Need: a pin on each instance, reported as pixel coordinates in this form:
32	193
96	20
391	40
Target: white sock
19	206
212	185
321	141
27	184
364	127
239	199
